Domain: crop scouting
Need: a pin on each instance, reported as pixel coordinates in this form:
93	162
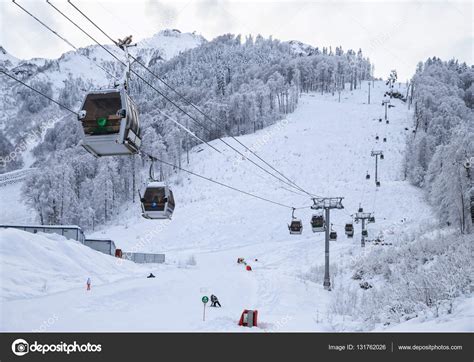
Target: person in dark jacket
151	275
215	301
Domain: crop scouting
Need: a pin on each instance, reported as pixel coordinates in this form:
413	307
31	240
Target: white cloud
395	34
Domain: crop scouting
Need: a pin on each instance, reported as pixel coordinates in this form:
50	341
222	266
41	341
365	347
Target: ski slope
324	146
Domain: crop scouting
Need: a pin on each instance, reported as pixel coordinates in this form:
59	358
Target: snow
324	147
462	320
6	59
34	265
14	211
171	42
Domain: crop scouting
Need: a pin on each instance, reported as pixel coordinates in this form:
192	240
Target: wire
168	99
187	130
218	183
70	44
37	91
292	183
153	158
63	39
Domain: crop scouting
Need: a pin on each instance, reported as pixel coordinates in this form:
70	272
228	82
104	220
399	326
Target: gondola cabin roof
155	184
104	91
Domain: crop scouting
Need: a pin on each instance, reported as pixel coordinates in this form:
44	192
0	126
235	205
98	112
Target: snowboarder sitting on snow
214	301
151	275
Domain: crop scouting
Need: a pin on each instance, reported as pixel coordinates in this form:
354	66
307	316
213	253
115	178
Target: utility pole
376	154
326	204
369	94
363	216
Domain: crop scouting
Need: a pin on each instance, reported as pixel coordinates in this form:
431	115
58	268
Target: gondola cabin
296	227
333	236
109	119
317	223
349	229
157	201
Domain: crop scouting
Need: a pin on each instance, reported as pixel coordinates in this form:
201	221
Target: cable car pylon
377	154
362	216
327	204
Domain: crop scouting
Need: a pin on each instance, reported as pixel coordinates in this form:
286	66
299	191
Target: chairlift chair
367	176
385	139
157	201
372	219
377	138
109	120
382	156
317	223
377	184
333	236
365	233
387	121
349	229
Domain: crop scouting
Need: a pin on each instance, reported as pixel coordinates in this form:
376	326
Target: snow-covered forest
283	177
442	140
243	84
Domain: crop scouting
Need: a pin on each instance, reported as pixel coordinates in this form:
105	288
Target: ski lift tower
326	204
124	44
386	103
363	217
377	154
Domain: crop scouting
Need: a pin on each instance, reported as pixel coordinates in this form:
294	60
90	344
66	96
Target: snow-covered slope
325	147
37	265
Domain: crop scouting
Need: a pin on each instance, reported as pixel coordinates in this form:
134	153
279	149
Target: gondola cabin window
102	113
155	199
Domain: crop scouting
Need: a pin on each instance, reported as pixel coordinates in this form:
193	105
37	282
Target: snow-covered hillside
324	147
84	65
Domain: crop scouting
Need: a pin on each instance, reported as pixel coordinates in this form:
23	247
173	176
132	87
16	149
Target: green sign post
204	300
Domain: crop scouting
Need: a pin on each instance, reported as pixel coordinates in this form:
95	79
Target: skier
88	283
151	275
214	301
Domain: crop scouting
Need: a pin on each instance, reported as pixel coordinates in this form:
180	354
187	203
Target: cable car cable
162	161
37	91
187	130
63	38
169	100
189	102
70	44
217	182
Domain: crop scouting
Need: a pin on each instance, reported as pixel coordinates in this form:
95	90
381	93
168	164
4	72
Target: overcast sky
394	34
